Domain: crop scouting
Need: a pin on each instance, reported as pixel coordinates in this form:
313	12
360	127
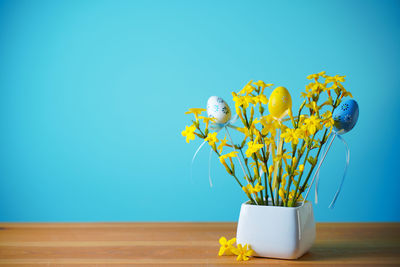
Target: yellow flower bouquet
280	150
278	159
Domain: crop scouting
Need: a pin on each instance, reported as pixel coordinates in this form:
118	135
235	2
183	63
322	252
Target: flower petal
222	240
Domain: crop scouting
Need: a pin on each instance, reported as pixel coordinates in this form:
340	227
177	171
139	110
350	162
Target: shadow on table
351	250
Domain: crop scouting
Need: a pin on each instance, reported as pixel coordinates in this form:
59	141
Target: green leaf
311	160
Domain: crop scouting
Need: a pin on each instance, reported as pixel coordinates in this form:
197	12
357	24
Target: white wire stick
209	167
276	170
319	166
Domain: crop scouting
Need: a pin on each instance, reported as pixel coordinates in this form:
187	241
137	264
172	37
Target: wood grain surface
178	244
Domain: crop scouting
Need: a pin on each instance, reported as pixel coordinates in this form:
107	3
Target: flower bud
301	168
271	169
261	109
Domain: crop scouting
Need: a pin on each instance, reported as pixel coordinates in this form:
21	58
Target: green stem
266	190
258	175
292	170
247	167
301	175
315	163
237	180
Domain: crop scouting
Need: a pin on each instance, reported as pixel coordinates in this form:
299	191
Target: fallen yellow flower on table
243	252
226	246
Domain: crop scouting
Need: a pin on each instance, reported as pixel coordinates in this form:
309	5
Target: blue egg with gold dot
345	116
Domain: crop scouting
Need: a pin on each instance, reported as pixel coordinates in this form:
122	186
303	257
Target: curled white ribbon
316	174
332	205
219	126
215	127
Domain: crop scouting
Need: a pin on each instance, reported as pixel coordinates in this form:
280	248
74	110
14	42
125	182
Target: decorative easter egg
280	102
218	109
345	116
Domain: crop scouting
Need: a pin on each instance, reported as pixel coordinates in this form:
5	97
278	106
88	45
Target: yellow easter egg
280	102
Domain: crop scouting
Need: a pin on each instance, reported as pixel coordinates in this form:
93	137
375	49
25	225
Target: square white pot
277	232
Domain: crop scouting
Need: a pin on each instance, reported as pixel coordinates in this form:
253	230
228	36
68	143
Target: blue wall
93	95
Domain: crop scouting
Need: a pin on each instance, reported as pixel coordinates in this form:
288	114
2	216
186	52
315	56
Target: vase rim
299	204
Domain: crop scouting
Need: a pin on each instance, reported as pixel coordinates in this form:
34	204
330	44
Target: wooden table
193	244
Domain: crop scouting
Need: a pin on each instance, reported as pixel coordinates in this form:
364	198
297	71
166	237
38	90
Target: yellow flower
247	89
258	188
240	101
291	196
327	119
260	164
206	120
255	121
212	138
346	93
229	155
279	157
269	140
309	94
189	133
300	133
260	84
313	105
195	111
260	99
327	114
243	252
248	189
296	172
263	85
222	144
269	125
312	124
335	79
291	135
316	76
314	88
249	99
247	132
252	148
226	246
329	122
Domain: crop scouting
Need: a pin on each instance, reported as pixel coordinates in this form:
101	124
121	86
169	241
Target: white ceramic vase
277	232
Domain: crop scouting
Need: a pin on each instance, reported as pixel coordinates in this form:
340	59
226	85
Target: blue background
93	95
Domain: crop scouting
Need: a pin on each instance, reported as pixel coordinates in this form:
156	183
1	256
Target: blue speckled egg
345	116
